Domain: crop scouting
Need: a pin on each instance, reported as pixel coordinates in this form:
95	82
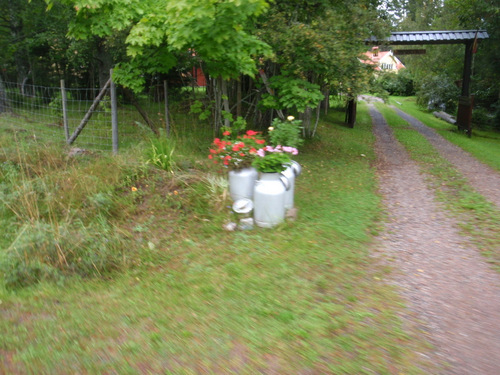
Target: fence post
114	114
64	100
167	121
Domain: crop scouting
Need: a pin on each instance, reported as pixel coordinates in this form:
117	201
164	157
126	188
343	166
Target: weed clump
47	251
60	216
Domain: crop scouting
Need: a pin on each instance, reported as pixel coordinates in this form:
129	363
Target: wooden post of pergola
469	38
466	101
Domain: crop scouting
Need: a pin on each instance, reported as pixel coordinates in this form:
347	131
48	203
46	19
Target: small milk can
242	183
292	171
269	199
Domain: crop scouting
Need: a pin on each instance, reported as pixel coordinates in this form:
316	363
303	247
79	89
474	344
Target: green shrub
400	84
438	93
482	118
286	133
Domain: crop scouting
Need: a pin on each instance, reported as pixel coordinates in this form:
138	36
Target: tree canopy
283	56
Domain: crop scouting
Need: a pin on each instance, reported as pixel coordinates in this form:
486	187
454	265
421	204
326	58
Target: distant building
384	61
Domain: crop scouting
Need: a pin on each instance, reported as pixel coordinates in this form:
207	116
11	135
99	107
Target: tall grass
59	213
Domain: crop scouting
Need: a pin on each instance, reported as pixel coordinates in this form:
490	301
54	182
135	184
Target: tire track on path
485	180
445	281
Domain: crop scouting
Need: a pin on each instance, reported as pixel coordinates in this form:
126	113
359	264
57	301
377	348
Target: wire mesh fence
55	113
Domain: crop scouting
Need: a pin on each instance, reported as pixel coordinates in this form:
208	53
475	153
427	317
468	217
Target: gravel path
484	179
446	282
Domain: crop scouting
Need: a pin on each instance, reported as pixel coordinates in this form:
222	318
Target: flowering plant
273	159
236	152
286	132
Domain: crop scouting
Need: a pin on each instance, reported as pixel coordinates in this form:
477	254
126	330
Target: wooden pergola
470	38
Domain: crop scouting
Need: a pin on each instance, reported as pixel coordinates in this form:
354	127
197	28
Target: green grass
484	145
479	219
190	298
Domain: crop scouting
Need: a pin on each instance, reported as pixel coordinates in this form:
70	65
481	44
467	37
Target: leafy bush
400	84
286	133
482	118
292	93
438	93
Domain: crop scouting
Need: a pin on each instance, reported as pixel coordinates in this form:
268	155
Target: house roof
373	59
429	37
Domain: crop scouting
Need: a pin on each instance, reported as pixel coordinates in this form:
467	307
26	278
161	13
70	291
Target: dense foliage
281	56
262	59
438	73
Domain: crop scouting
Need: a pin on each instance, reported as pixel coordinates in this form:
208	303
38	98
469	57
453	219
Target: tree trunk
271	92
238	98
104	62
131	97
306	123
225	102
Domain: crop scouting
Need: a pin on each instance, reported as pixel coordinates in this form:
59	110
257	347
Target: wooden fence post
114	113
89	113
64	100
167	120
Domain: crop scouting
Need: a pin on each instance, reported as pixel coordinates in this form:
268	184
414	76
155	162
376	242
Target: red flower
226	133
252	132
252	151
212	151
260	141
210	156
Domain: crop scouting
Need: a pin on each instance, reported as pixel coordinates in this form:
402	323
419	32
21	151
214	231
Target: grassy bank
484	145
173	293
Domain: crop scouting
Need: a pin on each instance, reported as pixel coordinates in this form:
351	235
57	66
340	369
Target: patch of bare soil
446	283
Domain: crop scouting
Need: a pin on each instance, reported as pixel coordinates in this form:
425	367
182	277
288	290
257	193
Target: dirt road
447	284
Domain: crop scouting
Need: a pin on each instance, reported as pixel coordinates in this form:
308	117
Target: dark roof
430	37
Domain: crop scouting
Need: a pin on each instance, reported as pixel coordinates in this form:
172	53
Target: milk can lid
243	206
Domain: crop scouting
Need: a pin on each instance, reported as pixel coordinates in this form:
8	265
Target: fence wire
39	111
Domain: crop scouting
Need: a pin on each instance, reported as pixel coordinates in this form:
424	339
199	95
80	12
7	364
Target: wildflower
133	188
290	118
270	128
226	133
176	192
252	132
